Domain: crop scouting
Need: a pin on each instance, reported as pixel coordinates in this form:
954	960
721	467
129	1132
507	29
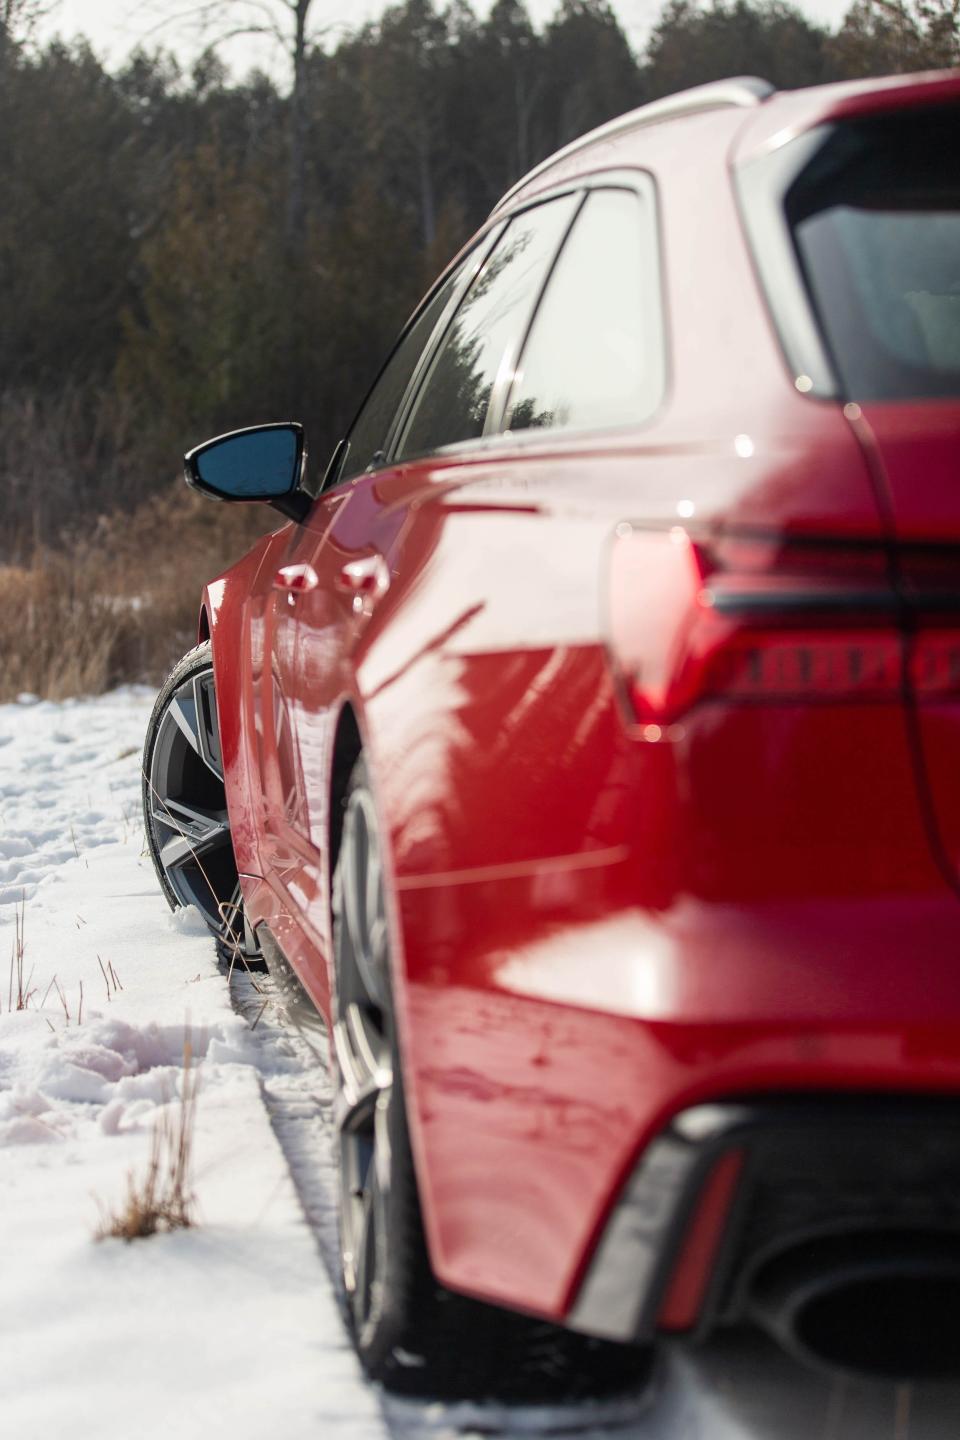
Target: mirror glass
251	464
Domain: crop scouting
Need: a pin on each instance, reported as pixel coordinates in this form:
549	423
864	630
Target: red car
589	746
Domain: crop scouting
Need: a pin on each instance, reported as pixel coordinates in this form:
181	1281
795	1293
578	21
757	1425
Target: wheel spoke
365	1073
373	896
196	833
191	711
376	926
231	912
382	1150
364	1246
208	730
183	712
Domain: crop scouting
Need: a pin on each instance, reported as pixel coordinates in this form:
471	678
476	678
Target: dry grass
163	1198
118	603
19	994
56	639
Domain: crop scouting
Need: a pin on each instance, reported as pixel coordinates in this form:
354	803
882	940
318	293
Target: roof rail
743	90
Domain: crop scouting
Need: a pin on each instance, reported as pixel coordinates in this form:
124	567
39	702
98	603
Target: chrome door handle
366	579
296	579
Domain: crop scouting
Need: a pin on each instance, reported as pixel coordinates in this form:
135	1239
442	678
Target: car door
446	371
325	582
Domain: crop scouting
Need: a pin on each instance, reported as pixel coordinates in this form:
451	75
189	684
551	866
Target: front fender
224	604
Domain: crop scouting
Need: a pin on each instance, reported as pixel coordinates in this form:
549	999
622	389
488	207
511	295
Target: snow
206	1331
234	1327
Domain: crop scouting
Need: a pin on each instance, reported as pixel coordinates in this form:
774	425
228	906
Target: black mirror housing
263	462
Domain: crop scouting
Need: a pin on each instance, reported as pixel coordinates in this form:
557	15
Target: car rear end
794	697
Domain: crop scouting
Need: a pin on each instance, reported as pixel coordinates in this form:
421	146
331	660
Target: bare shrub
118	603
163	1198
63	455
56	634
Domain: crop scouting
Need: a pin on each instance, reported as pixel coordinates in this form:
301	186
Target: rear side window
594	357
876	223
483	341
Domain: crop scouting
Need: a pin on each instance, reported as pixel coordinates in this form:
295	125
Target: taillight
934	664
749	622
855	665
928	578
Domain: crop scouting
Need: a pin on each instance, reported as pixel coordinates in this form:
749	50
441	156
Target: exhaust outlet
886	1306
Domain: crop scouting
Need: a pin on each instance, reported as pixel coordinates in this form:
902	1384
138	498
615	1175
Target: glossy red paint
597	923
913	448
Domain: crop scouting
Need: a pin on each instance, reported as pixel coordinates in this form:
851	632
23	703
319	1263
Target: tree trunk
428	209
296	191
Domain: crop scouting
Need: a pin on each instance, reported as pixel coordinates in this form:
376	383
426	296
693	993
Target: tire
411	1333
185	806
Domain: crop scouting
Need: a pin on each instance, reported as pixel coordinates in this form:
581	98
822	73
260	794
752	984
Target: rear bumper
538	1084
807	1169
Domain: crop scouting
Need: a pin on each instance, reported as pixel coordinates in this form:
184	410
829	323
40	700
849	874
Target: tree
691	45
284	23
883	37
405	81
591	70
506	80
206	347
17	21
68	172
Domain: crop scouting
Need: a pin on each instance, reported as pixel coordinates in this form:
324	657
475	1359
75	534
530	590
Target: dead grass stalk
163	1198
19	993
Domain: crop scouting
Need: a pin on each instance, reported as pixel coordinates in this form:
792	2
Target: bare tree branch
18	17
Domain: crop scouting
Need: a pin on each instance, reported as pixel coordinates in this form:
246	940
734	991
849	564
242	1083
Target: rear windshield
876	222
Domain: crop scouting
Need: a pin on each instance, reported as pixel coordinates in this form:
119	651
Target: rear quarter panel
594	931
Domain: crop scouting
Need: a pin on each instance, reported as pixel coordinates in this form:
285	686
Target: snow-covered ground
232	1328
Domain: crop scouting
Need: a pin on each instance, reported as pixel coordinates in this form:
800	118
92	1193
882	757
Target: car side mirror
264	462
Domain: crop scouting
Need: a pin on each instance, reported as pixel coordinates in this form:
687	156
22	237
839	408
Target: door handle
295	580
365	579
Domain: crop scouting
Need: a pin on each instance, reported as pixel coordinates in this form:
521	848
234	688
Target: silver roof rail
743	90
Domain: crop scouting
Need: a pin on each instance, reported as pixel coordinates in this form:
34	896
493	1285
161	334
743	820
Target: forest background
182	253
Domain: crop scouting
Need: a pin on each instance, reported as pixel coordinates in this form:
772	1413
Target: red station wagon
588	743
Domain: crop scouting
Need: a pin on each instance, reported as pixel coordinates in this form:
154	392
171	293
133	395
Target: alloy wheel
364	1050
188	825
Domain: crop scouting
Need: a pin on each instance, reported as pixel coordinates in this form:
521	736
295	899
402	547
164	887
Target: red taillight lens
749	622
934	666
928	576
809	666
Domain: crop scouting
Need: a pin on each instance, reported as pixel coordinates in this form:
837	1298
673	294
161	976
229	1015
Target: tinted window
595	352
876	222
485	334
369	433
